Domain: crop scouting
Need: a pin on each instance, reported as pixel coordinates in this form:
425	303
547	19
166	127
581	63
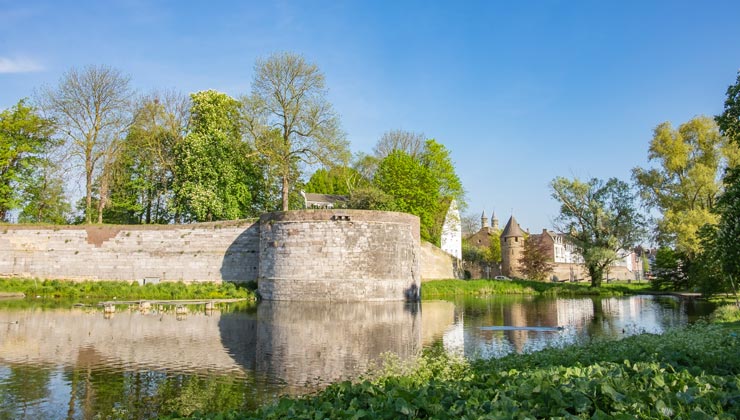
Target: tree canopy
686	183
600	218
213	174
290	121
25	139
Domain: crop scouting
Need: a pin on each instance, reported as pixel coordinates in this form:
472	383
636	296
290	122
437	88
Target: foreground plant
692	372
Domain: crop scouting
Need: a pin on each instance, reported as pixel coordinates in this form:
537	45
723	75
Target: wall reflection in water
78	363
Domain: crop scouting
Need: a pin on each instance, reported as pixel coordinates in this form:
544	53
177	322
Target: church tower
512	246
483	220
494	222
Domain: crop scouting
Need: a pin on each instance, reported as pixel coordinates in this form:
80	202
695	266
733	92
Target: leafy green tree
686	184
25	137
535	260
43	197
289	119
92	109
671	270
339	180
601	218
213	176
413	188
494	250
144	169
728	232
422	185
372	198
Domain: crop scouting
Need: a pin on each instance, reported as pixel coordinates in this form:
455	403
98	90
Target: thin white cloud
19	65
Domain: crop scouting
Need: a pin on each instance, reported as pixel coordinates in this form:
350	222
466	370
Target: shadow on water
241	260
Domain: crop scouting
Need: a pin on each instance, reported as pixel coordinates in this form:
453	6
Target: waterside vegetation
65	289
442	288
691	372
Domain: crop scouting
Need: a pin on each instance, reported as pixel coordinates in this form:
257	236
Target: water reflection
82	363
79	363
582	319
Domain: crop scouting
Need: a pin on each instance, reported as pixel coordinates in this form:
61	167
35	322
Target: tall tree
535	260
143	170
423	185
686	184
43	197
340	180
406	141
728	232
91	108
213	176
25	137
601	218
290	121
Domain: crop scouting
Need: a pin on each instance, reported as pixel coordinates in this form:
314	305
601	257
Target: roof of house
512	229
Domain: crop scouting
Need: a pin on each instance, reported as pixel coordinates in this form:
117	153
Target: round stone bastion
339	255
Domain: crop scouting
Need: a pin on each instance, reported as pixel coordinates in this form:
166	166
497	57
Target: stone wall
437	264
326	255
339	255
226	251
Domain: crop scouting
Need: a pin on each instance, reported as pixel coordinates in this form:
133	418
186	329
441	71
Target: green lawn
441	288
121	290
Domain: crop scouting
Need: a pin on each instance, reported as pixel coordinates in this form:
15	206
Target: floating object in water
9	322
513	328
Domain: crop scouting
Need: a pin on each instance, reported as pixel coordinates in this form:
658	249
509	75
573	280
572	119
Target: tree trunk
596	273
88	190
286	195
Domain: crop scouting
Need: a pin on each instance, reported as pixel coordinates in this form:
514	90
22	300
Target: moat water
80	363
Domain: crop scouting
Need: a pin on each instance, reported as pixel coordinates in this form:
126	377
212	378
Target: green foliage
422	185
601	219
125	290
290	93
448	288
729	120
143	170
339	180
372	198
685	185
685	373
670	270
213	176
25	138
726	313
535	260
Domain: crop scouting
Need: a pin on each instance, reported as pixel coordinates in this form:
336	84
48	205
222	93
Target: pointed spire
483	220
494	220
512	229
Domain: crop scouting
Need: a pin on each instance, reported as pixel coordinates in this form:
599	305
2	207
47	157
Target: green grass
442	288
60	289
727	313
692	372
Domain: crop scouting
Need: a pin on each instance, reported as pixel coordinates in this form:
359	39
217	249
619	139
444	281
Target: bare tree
289	119
406	141
91	108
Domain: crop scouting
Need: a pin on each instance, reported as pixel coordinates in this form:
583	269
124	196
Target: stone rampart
339	255
224	251
312	255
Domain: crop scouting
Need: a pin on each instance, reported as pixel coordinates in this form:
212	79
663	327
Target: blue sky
520	92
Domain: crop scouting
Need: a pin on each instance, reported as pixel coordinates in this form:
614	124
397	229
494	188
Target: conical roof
512	229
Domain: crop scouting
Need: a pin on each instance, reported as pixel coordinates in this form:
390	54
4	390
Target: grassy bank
441	288
60	289
693	372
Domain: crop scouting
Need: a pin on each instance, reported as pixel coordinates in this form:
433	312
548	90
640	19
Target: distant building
512	246
324	201
451	240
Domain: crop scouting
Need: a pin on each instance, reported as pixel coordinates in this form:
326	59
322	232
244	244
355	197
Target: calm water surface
81	363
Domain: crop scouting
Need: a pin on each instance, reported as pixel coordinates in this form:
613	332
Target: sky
519	92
